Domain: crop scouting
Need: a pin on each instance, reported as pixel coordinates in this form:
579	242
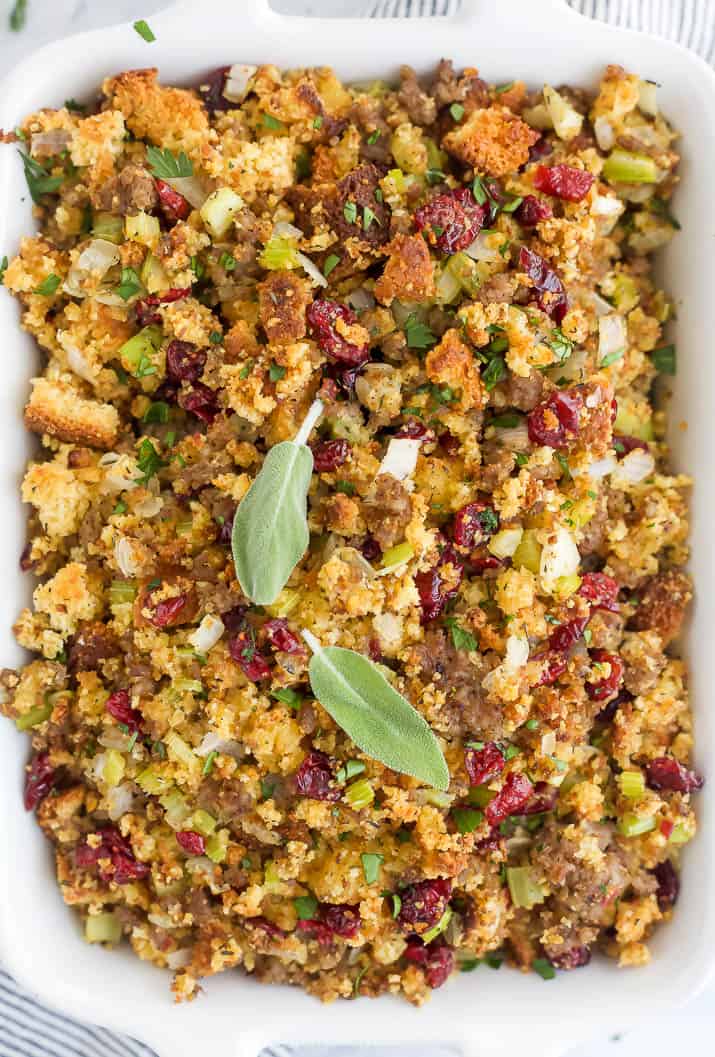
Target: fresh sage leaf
381	722
270	530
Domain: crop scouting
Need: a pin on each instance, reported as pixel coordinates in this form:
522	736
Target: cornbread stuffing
457	276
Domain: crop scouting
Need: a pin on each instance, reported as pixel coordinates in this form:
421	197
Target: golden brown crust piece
282	300
408	273
452	363
58	409
663	604
493	140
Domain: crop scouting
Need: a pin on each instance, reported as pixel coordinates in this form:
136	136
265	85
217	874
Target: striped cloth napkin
28	1029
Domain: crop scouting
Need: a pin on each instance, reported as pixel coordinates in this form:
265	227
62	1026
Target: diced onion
400	459
548	744
178	959
634	467
647	102
389	630
311	269
121	472
200	864
126	558
75	358
238	79
95	261
482	249
150	506
207	633
120	799
608	209
215	743
515	438
284	230
189	187
567	121
559	557
612	335
603	130
517	652
602	467
602	307
360	299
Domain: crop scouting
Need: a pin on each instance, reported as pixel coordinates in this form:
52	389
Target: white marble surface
687	1031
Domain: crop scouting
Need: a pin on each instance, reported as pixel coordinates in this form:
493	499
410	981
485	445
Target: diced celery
398	178
183	528
631	784
114	766
140	350
102	928
439	928
359	794
465	271
632	424
623	291
34	716
143	228
632	825
121	592
528	554
270	874
107	226
681	834
217	846
285	603
408	148
278	253
153	781
625	166
181	752
437	798
565	586
436	158
582	511
524	890
480	796
219	209
188	686
503	544
153	275
401	552
175	807
203	823
447	287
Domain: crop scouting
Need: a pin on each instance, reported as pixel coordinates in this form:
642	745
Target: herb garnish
49	286
39	182
318	121
664	359
467	819
461	639
612	357
227	261
350	769
149	461
508	421
130	284
544	968
276	372
374	136
419	335
368	218
331	262
305	907
457	111
145	31
18	16
350	212
157	412
209	762
560	345
272	122
3	268
495	373
371	864
168	166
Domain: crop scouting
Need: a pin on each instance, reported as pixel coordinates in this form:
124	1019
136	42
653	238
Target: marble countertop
689	1030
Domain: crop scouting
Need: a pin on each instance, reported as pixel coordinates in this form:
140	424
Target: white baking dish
485	1013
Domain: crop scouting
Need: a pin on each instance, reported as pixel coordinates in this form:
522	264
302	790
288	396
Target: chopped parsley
374	136
346	487
130	284
49	285
18	15
612	357
149	461
521	458
331	262
276	372
209	762
507	421
350	212
39	182
495	373
227	261
371	863
168	166
467	819
434	176
72	104
272	122
396	900
532	724
305	907
565	468
302	165
662	208
157	412
544	968
288	697
457	111
215	337
419	335
267	787
145	31
120	507
664	359
560	345
480	194
511	206
3	268
461	639
318	122
368	218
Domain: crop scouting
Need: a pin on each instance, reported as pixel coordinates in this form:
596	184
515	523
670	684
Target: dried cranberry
253	664
555	422
606	714
343	919
512	797
413	429
563	181
343	378
668	884
542	799
573	958
484	764
173	205
666	828
474	524
280	638
184	361
540	149
146	308
566	635
448	443
610	684
436	959
272	930
226	529
494	842
531	210
424	903
314	778
600	590
665	772
118	850
39	780
552	295
200	401
329	454
316	930
370	549
374	650
451	220
556	665
327	320
234	619
211	90
434	594
624	445
481	561
119	706
169	612
191	841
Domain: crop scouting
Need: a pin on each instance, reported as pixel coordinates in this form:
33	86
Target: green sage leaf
270	530
379	720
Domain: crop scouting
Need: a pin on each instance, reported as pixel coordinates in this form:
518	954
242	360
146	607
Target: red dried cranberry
119	706
316	930
540	149
329	454
424	903
414	429
484	764
323	317
566	635
481	561
342	919
474	524
556	665
541	800
211	90
494	842
436	959
666	828
314	778
600	590
552	295
374	650
665	772
510	799
573	958
532	210
434	594
39	780
274	931
451	220
200	401
169	612
370	549
118	850
343	377
610	684
448	443
253	664
173	205
555	422
226	529
146	308
668	885
184	361
191	841
234	619
624	445
606	714
563	181
280	638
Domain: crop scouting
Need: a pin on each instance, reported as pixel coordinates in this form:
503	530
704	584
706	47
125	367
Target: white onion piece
150	506
125	557
113	738
608	209
480	250
98	763
120	799
517	652
52	142
351	556
634	467
215	743
284	230
400	459
601	467
190	188
566	119
95	261
603	130
121	474
559	557
360	299
178	959
200	864
108	297
162	921
612	335
647	102
207	633
238	79
75	358
548	743
389	630
515	438
602	307
311	269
